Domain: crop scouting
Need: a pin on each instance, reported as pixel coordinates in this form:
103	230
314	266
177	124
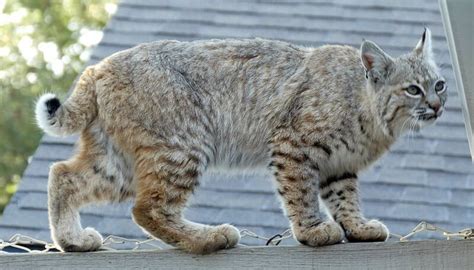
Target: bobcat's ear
423	47
374	59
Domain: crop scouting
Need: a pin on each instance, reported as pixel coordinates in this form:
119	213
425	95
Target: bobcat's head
410	93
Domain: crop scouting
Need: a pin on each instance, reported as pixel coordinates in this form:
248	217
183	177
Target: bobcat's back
226	91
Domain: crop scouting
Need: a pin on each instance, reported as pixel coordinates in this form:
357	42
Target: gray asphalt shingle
427	176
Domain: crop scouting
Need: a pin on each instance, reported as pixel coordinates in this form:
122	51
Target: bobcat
154	117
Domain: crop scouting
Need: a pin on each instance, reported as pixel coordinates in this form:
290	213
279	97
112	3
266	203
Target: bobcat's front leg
340	194
298	177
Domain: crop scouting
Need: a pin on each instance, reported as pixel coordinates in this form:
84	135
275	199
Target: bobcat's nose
436	107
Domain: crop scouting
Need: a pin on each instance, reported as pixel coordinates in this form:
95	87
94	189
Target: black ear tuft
423	47
423	37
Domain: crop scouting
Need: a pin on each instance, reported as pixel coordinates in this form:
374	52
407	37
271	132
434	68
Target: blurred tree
43	46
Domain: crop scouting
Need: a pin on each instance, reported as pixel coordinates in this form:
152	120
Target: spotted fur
155	117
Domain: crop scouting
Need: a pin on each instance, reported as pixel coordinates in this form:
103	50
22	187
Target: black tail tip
52	105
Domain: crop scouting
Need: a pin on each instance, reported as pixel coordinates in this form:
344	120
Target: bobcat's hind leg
72	185
298	178
166	179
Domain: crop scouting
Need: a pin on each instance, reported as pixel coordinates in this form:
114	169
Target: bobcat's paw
370	231
215	238
325	233
88	240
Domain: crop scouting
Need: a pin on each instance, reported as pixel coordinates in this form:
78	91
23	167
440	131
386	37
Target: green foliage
43	46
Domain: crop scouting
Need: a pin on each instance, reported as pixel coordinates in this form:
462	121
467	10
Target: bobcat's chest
357	156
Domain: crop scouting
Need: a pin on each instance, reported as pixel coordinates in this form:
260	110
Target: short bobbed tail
75	114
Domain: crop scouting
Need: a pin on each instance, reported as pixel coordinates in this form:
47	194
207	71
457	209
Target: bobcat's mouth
427	117
423	120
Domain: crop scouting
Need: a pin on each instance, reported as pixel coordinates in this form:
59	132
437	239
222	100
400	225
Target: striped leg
70	186
340	195
165	182
297	179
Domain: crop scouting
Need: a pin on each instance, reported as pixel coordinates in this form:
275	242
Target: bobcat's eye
440	87
413	91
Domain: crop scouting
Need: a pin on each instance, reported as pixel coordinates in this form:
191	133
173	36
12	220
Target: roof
426	176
